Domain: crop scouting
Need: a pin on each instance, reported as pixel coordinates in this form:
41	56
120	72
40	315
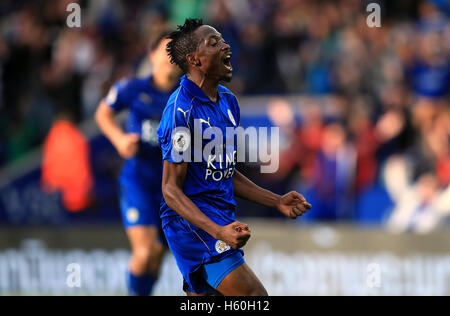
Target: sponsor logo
149	132
217	146
206	122
184	112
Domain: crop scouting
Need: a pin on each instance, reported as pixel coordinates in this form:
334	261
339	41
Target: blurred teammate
140	180
198	212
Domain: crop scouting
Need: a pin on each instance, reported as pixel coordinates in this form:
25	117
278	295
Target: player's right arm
127	144
235	234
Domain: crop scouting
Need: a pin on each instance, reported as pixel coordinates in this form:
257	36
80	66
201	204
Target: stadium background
364	117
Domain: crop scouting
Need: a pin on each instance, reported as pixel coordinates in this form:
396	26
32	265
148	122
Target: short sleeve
174	133
118	96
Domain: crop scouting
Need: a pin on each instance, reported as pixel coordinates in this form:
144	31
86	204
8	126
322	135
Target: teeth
226	61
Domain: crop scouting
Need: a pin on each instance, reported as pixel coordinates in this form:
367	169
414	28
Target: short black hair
183	41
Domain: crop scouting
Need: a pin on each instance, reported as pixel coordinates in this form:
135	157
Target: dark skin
208	65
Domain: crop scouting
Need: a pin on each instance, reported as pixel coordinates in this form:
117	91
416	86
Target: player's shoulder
120	89
124	90
181	99
130	83
134	82
176	99
229	97
224	91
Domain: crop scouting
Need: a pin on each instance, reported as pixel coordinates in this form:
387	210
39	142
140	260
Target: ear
193	60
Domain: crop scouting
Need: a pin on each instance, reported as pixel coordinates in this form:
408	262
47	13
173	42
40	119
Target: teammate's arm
235	234
292	204
125	143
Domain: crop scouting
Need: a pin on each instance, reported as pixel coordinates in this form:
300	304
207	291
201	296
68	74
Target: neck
208	86
163	82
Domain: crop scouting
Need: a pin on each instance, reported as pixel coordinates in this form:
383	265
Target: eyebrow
212	36
217	36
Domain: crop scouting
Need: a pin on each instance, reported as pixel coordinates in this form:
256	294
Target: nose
225	46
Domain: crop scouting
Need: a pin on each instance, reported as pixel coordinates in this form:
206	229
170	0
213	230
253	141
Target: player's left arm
292	204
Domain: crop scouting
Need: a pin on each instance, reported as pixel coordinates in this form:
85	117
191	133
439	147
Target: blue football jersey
146	105
209	179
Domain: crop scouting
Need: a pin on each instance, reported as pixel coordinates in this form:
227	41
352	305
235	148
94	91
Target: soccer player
198	211
140	180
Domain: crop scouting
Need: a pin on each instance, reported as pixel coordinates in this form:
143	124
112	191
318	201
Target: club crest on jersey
132	215
230	115
181	141
221	246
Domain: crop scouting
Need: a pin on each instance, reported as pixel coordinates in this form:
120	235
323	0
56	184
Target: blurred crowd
386	122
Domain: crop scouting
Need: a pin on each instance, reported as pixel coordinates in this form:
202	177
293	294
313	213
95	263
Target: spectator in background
326	162
333	175
429	69
66	166
25	51
304	145
366	142
419	181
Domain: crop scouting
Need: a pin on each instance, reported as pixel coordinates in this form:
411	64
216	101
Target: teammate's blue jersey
209	180
146	105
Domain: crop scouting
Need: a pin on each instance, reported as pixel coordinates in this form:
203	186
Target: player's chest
214	128
213	117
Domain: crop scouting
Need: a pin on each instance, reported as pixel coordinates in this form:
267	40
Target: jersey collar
195	90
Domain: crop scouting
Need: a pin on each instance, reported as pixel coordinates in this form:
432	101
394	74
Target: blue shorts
202	260
140	206
215	272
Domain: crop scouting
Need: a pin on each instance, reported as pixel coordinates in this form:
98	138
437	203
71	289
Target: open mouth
227	61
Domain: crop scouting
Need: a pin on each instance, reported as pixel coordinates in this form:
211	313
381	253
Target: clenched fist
235	234
293	205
